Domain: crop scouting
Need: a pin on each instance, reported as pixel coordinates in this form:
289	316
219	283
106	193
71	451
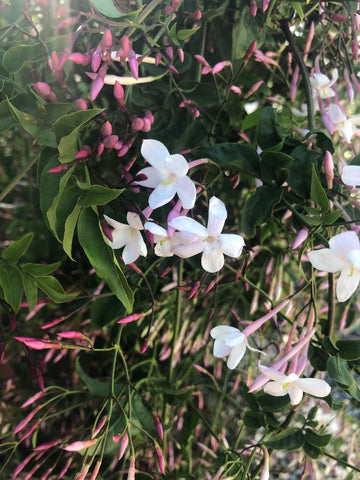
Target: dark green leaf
289	439
253	420
17	249
323	139
311	451
299	178
317	193
69	230
95	386
107	8
274	166
102	257
317	440
53	289
40	270
272	404
259	207
97	194
11	284
331	217
30	289
104	311
269	134
238	157
338	370
32	125
349	349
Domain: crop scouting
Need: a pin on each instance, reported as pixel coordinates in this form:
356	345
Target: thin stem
177	322
18	177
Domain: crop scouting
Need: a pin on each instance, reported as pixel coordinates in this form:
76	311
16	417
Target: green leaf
11	284
317	193
95	386
39	269
338	370
298	8
238	157
107	8
253	420
32	125
317	440
272	404
102	257
331	217
299	179
274	166
349	349
97	194
30	289
184	34
105	310
289	439
269	134
311	451
69	230
17	249
323	139
53	289
258	208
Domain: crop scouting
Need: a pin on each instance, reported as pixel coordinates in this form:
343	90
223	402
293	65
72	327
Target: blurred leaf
269	134
102	257
107	8
317	440
97	194
331	217
299	178
298	8
338	370
259	207
238	157
311	451
253	420
104	311
30	289
323	139
184	34
53	289
272	404
274	166
17	249
29	123
349	349
95	386
289	439
11	284
317	193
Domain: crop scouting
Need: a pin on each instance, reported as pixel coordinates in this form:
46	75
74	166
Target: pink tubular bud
32	399
131	471
220	66
150	116
300	238
95	61
158	425
96	87
194	112
202	60
77	446
106	129
253	8
83	153
131	318
338	18
157	59
137	124
100	149
20	426
96	470
250	51
265	5
161	460
329	169
38	344
46	446
194	291
99	426
181	54
133	64
42	88
144	346
235	89
348	86
58	168
72	334
123	151
147	125
118	92
107	230
170	52
253	89
81	104
124	48
123	445
106	41
79	58
110	141
196	15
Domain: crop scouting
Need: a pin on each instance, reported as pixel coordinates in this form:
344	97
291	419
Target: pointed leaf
39	270
17	249
53	289
30	289
69	230
11	284
289	439
317	193
97	194
349	349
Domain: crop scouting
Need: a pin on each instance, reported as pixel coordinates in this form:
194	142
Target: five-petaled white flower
345	125
212	243
342	256
292	385
321	84
229	341
165	243
350	175
167	176
128	236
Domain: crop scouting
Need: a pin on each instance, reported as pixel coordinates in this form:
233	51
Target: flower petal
155	153
134	221
347	283
155	229
212	260
187	224
275	389
343	243
120	234
354	257
314	386
186	191
326	260
187	250
221	349
177	164
134	248
154	177
271	373
217	216
222	330
235	339
236	354
231	244
350	175
295	393
162	194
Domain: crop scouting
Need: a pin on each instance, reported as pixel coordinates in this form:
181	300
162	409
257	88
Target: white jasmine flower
128	236
340	122
321	84
350	175
342	256
229	341
167	176
166	243
212	243
292	385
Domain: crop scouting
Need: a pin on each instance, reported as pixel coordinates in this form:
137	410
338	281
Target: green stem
18	177
248	465
353	467
177	322
145	13
222	396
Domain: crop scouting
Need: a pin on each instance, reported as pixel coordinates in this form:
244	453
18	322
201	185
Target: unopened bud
161	460
300	238
81	104
133	64
137	124
147	125
106	129
196	15
338	18
106	41
144	346
329	169
253	8
181	54
131	318
95	61
158	425
58	168
250	51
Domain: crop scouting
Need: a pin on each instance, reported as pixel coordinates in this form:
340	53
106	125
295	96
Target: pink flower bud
106	41
220	66
181	54
144	346
106	129
202	60
196	15
123	445
42	88
81	104
131	471
123	151
161	460
20	426
77	446
99	426
133	64
131	318
137	124
265	5
147	125
194	112
72	334
300	238
338	18
194	291
158	425
79	58
84	152
157	59
250	51
38	344
253	8
95	61
124	48
253	89
46	446
100	149
110	141
32	399
175	4
173	69
168	10
58	168
355	48
106	229
118	91
118	145
329	169
235	89
96	87
348	86
116	438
